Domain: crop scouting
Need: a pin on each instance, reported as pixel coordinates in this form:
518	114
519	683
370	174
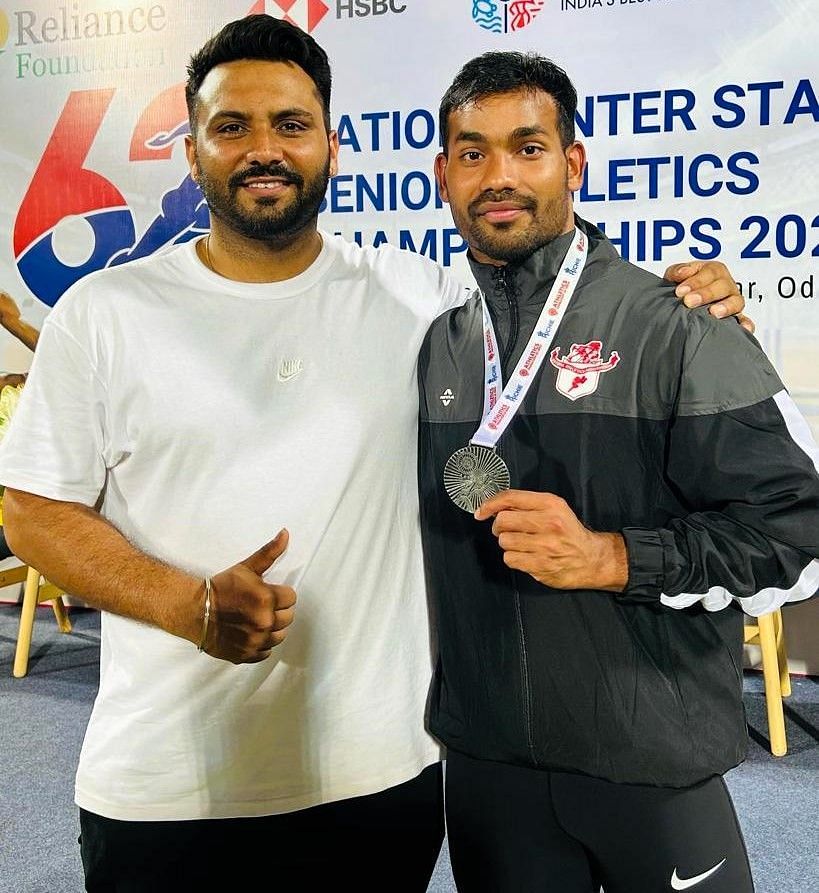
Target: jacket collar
530	280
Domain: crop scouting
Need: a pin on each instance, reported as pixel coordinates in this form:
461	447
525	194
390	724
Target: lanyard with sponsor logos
500	404
476	472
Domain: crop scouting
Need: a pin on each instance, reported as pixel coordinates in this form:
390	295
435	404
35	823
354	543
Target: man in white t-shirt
218	428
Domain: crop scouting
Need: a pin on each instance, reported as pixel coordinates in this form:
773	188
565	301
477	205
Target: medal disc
473	474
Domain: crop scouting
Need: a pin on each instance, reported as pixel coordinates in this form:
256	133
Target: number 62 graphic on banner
65	196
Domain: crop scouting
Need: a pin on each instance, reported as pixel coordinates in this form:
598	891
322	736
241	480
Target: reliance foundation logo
71	39
305	14
505	16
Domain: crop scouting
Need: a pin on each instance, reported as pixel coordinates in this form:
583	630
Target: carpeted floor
43	716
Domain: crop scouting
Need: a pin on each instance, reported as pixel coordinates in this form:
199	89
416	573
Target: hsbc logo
362	8
304	14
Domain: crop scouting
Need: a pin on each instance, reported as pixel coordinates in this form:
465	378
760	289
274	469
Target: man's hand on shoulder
249	617
541	536
709	282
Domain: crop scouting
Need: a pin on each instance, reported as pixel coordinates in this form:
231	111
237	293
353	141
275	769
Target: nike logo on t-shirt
289	369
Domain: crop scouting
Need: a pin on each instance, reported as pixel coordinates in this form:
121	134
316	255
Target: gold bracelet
206	619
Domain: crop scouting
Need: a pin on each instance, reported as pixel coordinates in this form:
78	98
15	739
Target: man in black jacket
589	618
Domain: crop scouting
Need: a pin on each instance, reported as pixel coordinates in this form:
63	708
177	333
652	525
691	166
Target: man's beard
503	242
265	222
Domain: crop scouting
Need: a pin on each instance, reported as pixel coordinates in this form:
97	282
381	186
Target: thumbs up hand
249	617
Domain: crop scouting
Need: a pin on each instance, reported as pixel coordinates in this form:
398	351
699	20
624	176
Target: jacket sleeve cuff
646	565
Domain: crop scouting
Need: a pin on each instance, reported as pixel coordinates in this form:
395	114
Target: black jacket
687	446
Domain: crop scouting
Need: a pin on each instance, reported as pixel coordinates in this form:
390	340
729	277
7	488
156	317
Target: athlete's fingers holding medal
501	502
541	535
524	522
518	501
547	529
551	517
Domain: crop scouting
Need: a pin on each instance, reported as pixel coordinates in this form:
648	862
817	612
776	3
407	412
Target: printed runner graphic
579	372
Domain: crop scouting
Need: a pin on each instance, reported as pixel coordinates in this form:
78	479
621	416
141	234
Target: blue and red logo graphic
73	220
505	16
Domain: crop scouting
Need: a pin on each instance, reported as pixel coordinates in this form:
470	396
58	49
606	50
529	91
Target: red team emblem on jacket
579	372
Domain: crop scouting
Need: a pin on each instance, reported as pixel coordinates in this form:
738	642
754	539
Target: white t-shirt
206	415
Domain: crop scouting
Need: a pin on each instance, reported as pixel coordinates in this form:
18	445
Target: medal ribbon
501	404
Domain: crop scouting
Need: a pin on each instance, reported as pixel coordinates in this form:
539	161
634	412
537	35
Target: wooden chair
766	631
36	590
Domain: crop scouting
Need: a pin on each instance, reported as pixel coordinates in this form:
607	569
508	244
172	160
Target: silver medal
473	474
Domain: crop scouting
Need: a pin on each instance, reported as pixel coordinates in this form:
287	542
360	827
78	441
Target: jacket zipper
505	286
524	676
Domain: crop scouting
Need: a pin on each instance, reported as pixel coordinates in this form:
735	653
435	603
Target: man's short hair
260	37
503	72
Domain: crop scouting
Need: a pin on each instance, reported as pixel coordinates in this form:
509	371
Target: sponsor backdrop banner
699	116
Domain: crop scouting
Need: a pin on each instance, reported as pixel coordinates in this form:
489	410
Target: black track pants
518	830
